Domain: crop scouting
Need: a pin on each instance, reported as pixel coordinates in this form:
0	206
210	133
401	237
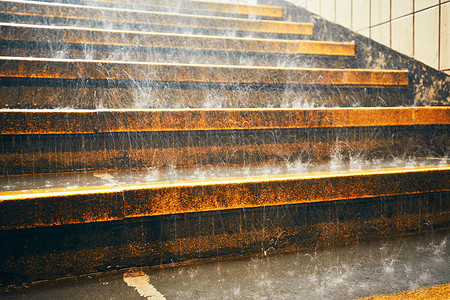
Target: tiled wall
417	28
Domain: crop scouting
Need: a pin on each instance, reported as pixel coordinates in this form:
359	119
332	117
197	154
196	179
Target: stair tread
69	121
154	41
199	6
71	13
57	206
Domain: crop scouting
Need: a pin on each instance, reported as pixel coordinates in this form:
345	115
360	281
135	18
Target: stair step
65	14
40	141
88	245
54	93
50	83
23	40
34	68
203	7
51	207
21	121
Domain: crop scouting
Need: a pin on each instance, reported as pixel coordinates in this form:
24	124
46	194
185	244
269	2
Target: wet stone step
40	141
41	121
52	207
61	94
112	18
50	252
32	68
51	83
186	7
34	154
23	40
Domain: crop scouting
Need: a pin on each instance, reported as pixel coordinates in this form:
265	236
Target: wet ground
369	269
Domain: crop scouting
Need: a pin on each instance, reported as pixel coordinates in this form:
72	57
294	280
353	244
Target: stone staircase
169	132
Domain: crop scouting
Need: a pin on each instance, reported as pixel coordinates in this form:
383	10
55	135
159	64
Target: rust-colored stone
188	238
22	209
115	156
28	121
21	93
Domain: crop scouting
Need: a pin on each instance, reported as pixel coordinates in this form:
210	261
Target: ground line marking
140	281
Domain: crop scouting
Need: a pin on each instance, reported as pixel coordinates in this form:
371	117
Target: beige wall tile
422	4
426	33
361	18
365	32
401	8
328	10
314	6
422	41
445	36
402	35
381	34
380	11
344	13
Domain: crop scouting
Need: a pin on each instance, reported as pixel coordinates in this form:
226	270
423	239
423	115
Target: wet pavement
351	272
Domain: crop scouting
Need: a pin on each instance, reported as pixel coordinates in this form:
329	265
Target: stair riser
34	154
169	95
59	251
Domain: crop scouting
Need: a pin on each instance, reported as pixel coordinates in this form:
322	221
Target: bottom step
117	201
61	232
